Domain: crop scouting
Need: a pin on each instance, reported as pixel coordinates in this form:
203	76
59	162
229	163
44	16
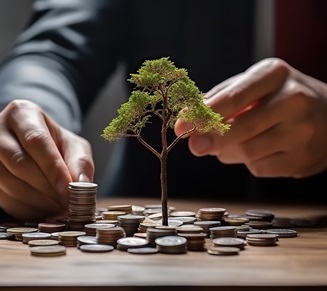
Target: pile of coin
139	230
82	204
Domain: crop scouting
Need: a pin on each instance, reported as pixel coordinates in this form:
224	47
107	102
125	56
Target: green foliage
167	92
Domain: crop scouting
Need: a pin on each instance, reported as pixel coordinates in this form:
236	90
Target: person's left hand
278	120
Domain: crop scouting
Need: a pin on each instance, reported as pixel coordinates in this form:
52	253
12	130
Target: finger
212	92
37	141
20	164
260	80
20	210
24	193
78	157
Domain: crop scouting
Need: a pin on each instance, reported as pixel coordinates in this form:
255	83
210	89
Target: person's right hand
38	158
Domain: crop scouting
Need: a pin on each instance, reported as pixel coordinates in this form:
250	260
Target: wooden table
295	263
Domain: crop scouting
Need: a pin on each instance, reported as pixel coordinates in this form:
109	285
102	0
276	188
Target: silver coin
281	232
142	251
171	240
96	248
229	241
87	239
5	235
132	241
36	235
82	185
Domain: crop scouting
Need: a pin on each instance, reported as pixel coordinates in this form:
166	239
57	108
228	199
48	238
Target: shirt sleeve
64	56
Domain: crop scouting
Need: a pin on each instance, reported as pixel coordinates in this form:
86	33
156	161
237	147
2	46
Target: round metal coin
223	251
43	242
48	251
142	251
171	240
96	248
281	232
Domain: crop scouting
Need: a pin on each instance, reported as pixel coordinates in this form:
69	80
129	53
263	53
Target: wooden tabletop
298	262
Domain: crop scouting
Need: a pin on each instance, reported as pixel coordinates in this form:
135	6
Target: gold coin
48	251
223	251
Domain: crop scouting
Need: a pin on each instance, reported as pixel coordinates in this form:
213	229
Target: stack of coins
91	228
69	238
206	225
216	213
19	231
82	204
130	223
172	244
189	228
222	231
153	233
230	242
262	239
195	241
109	235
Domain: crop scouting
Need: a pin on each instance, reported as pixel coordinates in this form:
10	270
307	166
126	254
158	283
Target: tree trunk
164	187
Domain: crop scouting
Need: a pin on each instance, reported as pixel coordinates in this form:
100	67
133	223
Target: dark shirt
70	48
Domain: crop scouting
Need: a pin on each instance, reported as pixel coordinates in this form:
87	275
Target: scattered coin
262	239
43	242
182	213
281	232
125	243
263	214
223	251
48	251
6	235
18	231
146	250
35	235
96	248
230	242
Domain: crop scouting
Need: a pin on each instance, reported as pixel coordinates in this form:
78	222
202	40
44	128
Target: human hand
278	120
38	158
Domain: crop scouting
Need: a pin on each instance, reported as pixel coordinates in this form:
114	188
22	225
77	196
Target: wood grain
298	262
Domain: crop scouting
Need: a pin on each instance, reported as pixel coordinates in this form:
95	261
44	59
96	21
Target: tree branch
176	140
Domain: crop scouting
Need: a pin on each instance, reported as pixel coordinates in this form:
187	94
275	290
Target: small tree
168	93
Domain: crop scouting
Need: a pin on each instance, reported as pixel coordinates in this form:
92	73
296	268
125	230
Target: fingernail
83	178
202	143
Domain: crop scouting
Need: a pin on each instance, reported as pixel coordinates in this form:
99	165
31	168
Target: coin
281	232
48	251
230	242
219	251
43	242
82	185
142	251
35	235
96	248
182	213
5	235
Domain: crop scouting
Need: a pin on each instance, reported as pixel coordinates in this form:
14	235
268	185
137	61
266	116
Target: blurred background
14	15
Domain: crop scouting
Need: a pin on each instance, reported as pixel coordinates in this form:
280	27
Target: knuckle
86	161
18	162
36	137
